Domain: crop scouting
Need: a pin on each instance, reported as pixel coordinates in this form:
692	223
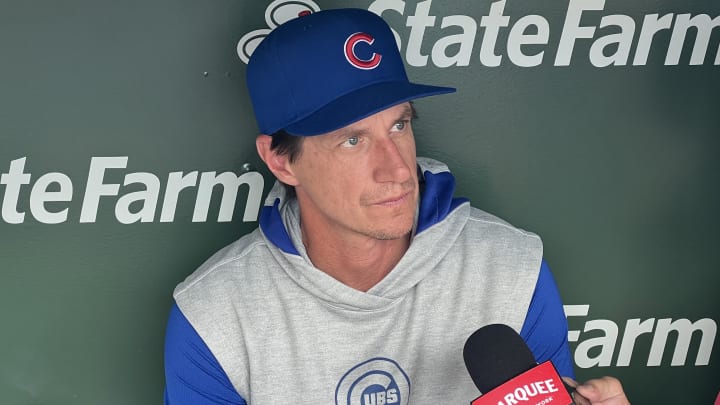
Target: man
366	275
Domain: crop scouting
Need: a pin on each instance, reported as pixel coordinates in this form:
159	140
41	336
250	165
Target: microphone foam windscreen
494	354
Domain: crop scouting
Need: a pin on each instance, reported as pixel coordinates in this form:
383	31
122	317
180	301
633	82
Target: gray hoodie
282	331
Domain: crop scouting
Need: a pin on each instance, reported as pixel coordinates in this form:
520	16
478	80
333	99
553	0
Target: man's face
360	180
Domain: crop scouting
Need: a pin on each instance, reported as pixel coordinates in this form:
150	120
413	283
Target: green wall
614	166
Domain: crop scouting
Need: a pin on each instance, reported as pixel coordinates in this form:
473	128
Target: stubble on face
405	206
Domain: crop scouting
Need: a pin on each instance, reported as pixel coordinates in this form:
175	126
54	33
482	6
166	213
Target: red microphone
505	371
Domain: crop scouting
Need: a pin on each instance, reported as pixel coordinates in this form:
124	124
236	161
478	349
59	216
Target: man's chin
391	234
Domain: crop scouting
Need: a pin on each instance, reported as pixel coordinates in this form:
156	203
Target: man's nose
390	165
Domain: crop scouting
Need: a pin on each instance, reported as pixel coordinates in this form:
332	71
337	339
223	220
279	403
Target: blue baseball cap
323	71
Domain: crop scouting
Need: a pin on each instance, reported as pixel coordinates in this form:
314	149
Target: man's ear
279	165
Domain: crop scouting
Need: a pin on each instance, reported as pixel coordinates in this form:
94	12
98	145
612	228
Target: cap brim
360	104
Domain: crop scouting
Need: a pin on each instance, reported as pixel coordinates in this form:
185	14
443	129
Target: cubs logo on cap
320	72
352	57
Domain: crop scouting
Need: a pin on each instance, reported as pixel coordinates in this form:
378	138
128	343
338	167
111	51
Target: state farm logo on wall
278	12
140	196
493	37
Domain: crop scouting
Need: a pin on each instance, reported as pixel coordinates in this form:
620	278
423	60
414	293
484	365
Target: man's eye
352	141
400	125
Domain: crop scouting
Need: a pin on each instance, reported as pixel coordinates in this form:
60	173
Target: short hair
287	144
284	143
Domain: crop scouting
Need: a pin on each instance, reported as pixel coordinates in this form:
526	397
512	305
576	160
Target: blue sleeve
192	374
545	329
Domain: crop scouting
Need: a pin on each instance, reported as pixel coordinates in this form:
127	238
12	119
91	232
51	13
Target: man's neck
359	262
